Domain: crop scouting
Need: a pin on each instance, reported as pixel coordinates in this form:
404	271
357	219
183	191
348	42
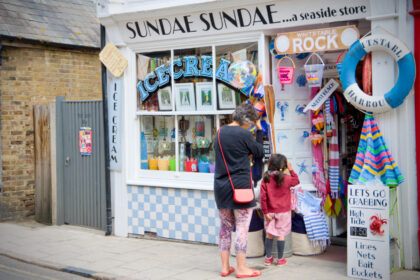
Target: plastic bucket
339	64
153	163
191	165
285	72
212	167
203	167
314	72
172	164
163	164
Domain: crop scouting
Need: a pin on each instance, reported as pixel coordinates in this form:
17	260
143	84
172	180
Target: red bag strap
224	160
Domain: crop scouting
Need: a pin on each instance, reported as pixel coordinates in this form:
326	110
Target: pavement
90	253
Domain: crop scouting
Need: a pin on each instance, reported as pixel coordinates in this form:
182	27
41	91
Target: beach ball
242	74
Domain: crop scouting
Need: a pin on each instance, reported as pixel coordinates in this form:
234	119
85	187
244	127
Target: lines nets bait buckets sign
368	232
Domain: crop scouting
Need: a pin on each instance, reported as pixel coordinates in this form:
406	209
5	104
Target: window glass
229	96
194	103
196	138
157	143
193	75
153	76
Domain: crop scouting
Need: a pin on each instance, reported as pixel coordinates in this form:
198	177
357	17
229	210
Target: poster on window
85	141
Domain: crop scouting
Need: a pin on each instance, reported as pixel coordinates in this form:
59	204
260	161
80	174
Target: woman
238	145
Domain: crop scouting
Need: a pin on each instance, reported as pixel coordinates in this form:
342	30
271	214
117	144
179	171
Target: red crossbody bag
239	195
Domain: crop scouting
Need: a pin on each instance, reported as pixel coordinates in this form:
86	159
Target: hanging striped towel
373	158
317	229
334	163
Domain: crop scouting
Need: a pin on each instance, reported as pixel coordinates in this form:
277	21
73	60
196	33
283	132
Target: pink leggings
241	218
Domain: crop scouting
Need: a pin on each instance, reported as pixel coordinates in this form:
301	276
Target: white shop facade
170	112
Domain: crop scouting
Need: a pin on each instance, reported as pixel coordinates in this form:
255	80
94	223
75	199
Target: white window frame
175	179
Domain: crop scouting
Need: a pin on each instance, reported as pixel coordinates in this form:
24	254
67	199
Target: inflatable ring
406	66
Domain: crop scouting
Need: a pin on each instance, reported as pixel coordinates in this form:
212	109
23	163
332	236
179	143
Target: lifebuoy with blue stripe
406	66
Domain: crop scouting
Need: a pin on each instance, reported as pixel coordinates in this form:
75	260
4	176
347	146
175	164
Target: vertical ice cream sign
368	232
316	40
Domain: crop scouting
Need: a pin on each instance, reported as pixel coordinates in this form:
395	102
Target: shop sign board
113	59
368	255
141	28
317	40
186	67
322	95
114	121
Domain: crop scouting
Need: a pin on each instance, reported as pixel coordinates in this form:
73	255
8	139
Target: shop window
182	104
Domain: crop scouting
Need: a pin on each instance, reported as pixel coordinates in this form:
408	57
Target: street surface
11	269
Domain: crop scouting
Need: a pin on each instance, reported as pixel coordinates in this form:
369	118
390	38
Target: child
276	204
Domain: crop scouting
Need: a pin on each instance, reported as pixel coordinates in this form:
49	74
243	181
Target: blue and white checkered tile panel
173	213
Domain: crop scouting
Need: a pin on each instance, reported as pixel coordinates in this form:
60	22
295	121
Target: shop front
191	63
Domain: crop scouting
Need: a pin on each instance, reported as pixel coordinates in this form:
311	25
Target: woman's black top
237	145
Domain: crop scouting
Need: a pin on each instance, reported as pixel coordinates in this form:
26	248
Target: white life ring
406	66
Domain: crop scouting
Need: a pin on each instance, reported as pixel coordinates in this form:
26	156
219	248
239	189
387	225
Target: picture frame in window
147	124
184	97
164	99
226	97
204	95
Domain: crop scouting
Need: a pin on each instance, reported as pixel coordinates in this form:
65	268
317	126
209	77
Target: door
81	163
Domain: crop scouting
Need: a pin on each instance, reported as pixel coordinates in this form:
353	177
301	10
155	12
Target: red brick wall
30	75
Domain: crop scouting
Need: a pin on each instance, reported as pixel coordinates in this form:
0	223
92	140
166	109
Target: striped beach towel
318	174
317	229
334	163
373	158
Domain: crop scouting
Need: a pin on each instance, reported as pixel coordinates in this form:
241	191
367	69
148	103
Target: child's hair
276	166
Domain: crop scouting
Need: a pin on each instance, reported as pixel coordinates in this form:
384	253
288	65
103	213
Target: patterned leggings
241	218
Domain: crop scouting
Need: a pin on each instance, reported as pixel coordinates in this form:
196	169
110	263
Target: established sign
242	18
114	121
368	232
317	40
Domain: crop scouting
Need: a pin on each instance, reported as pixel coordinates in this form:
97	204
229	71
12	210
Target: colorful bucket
339	64
203	167
191	165
286	72
212	167
172	164
314	72
153	163
163	163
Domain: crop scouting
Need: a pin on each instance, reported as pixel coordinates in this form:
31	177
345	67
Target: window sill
183	113
172	179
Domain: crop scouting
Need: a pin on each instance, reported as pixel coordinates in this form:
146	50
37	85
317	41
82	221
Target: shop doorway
80	163
294	130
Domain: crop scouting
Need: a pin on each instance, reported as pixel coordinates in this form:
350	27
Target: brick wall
30	75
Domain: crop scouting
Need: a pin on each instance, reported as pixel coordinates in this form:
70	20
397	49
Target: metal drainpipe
416	14
106	132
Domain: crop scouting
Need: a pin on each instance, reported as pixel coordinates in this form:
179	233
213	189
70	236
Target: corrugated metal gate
80	173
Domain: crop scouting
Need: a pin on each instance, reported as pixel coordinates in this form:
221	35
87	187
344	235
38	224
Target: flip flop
224	274
256	273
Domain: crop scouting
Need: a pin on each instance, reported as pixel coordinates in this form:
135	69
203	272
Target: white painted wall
397	126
